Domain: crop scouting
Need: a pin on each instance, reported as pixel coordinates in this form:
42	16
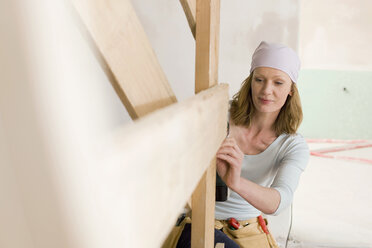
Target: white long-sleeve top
278	167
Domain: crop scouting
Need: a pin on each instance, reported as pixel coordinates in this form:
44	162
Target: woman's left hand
229	163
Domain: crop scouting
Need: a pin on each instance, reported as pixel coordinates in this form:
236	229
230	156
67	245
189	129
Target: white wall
336	51
243	25
336	34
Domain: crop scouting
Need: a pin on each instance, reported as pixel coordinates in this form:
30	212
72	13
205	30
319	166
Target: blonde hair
288	120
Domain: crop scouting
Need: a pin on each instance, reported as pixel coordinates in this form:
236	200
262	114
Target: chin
268	110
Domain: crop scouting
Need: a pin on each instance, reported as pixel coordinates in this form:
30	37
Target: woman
262	158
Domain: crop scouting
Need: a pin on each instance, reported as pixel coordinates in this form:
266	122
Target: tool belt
175	234
251	233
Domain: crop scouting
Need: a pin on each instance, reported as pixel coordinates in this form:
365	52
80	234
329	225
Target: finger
232	146
237	149
230	142
228	151
227	144
230	160
221	165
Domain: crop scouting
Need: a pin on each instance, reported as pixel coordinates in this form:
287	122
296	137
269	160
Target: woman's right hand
229	162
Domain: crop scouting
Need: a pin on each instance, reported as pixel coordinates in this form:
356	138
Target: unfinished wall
243	25
335	49
336	104
336	34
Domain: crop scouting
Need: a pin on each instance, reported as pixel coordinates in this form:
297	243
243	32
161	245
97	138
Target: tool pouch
174	236
249	236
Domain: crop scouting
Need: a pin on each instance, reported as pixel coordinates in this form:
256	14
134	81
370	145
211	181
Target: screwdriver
234	224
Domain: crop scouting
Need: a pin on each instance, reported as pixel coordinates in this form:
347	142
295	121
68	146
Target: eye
278	83
258	79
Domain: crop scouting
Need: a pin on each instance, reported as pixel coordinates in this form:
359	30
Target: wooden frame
165	174
206	75
189	7
119	41
118	37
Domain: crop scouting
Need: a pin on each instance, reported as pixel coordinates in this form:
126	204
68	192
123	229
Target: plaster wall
336	104
336	80
336	35
243	25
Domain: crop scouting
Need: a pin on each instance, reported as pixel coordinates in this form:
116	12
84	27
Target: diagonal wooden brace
119	41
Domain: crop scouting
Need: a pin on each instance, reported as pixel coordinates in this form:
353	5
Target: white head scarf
276	56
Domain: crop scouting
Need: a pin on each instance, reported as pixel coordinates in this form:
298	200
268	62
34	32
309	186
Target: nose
267	88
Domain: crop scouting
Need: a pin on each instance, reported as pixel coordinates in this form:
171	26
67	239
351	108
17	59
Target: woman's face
270	89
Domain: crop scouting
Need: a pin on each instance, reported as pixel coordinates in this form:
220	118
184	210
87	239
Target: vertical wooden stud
206	75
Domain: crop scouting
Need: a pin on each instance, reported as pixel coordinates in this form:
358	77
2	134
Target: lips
265	101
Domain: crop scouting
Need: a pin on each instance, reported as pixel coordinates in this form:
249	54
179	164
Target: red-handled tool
262	223
234	223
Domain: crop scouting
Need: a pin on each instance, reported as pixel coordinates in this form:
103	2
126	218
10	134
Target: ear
291	91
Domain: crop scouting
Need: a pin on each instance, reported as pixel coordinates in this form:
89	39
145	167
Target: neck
263	122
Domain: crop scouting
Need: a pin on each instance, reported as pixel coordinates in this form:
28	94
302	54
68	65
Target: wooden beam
207	43
189	7
119	41
157	162
203	201
206	75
